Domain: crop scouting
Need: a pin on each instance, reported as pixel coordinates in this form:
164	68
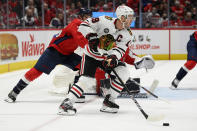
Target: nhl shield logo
106	30
141	38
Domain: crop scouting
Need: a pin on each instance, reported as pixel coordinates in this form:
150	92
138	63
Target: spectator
104	8
174	21
2	25
153	14
79	5
164	20
148	24
47	14
72	9
148	7
188	20
11	19
194	13
178	9
57	22
29	19
18	8
110	6
134	4
30	5
38	21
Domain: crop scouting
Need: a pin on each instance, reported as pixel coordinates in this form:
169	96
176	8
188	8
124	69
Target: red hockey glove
110	62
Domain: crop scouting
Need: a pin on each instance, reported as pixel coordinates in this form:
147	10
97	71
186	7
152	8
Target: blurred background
20	14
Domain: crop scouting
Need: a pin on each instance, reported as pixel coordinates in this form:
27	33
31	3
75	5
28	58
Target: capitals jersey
104	25
69	39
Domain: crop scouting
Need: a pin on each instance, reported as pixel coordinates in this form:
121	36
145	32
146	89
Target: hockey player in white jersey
103	54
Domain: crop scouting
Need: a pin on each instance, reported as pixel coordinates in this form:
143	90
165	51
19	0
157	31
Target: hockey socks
20	86
29	76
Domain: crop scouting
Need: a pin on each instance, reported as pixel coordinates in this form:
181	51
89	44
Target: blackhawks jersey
104	25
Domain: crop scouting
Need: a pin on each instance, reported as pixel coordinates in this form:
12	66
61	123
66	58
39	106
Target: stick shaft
135	101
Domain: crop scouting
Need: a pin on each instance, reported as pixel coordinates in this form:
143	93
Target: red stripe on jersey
86	22
117	86
77	91
100	57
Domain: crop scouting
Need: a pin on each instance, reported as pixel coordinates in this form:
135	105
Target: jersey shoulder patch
108	17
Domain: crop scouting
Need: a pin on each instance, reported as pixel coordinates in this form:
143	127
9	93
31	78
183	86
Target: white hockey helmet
125	11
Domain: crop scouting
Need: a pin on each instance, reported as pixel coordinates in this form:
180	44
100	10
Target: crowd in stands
16	14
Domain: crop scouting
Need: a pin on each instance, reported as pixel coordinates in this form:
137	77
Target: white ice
36	109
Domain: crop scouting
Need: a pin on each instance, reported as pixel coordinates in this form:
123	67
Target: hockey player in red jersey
107	58
60	51
190	63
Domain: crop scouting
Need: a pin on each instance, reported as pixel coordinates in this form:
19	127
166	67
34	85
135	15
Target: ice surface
36	109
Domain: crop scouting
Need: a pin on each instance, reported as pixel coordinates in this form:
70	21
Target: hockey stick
153	86
148	117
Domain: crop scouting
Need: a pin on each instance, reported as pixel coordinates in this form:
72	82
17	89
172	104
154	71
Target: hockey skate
109	106
174	84
66	108
11	97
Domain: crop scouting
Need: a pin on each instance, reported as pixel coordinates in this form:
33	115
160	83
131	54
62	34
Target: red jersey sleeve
72	30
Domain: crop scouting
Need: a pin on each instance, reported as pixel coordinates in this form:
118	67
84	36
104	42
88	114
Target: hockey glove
145	62
110	62
93	40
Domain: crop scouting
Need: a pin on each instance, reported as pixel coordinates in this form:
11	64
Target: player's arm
72	29
88	30
139	62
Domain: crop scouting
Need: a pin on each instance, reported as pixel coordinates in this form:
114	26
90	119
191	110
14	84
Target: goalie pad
145	62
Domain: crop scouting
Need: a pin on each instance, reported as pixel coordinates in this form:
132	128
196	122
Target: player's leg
87	72
73	62
29	76
114	90
189	65
46	64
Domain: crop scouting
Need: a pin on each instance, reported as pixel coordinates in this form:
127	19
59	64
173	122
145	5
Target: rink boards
28	45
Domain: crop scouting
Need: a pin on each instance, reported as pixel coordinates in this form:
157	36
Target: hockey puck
166	124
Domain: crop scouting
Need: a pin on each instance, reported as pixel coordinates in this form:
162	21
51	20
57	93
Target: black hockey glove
110	62
93	40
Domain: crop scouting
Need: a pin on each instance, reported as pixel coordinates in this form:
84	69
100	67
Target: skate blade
173	88
66	113
108	110
8	100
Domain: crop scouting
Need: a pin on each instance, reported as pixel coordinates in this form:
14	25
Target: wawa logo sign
30	48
